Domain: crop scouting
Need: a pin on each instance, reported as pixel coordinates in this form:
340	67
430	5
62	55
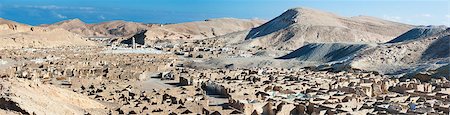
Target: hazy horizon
416	12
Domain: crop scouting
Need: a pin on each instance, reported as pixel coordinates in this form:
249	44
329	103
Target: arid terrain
305	61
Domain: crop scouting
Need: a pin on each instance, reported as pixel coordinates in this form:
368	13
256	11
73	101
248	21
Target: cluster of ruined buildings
281	91
65	63
206	49
114	79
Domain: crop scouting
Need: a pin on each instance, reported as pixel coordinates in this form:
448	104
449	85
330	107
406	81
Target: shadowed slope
419	32
325	52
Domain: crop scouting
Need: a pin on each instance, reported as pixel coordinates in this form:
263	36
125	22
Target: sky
36	12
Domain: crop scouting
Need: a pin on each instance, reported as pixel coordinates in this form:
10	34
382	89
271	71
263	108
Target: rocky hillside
422	50
194	30
201	29
411	56
181	31
20	96
16	35
59	34
105	29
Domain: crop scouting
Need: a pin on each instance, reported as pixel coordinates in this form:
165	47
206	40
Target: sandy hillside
124	31
28	97
298	26
194	30
411	56
16	35
105	29
201	29
8	24
422	50
189	30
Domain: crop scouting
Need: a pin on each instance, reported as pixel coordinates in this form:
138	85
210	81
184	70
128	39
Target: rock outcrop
29	97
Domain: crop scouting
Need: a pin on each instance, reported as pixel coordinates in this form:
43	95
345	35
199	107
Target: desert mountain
188	30
202	29
298	26
199	29
196	30
105	29
16	35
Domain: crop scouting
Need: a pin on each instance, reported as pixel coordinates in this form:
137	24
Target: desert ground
305	61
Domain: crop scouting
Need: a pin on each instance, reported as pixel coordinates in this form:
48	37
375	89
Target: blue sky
35	12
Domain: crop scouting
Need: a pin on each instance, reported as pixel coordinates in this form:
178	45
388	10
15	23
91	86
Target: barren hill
188	30
408	57
297	26
16	35
201	29
197	30
105	29
8	26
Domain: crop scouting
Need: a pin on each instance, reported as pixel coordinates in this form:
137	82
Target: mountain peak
305	9
74	21
309	11
296	16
